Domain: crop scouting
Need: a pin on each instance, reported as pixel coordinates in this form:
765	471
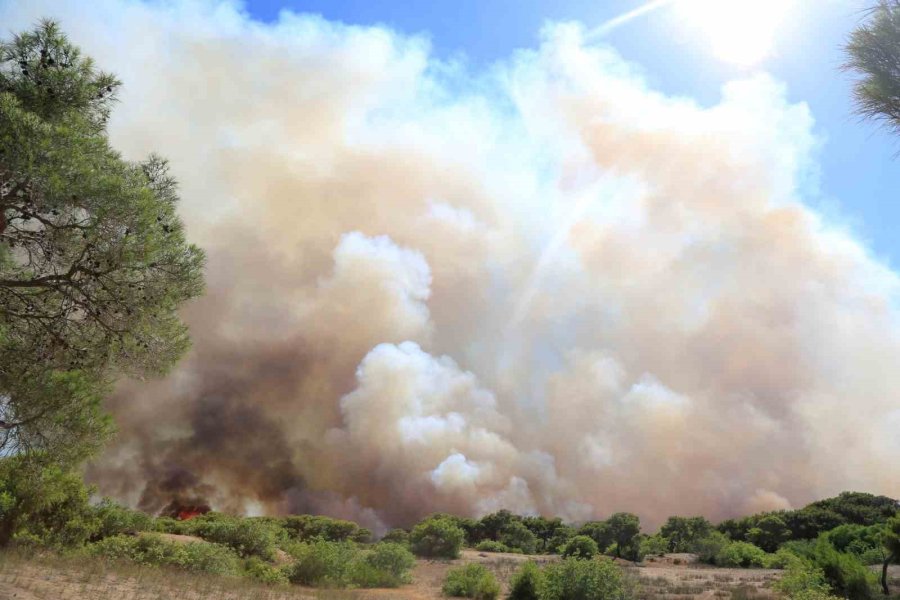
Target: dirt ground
674	577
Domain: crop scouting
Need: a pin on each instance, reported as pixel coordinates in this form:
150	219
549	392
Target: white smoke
542	285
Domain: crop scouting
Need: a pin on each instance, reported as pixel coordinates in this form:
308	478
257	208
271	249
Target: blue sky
859	170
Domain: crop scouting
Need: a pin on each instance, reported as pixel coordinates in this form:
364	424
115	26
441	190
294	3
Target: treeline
51	510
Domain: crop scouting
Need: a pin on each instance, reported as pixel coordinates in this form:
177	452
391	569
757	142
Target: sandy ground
675	577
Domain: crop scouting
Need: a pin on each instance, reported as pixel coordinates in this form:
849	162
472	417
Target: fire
188	513
185	510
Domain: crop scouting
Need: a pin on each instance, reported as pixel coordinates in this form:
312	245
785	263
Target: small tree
574	579
624	528
526	583
682	532
580	546
769	533
891	541
515	535
436	537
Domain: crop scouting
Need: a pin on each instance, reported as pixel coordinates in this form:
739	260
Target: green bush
437	537
803	581
393	559
576	579
654	545
491	546
397	536
844	572
152	550
248	537
471	581
114	519
709	547
580	546
516	536
311	527
342	564
741	554
321	563
526	582
43	505
263	572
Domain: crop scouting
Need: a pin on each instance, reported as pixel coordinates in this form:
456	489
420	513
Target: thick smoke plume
541	286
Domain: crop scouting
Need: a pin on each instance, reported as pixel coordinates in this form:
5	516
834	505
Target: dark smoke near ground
541	286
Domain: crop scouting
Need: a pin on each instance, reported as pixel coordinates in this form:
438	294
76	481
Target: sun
742	32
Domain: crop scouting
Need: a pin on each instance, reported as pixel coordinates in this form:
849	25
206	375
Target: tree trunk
884	570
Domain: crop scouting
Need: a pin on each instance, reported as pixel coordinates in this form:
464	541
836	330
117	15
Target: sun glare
738	31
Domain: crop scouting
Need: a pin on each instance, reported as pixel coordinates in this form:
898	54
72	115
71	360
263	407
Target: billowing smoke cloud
541	286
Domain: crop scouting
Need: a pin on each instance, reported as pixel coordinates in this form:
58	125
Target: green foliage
397	536
709	547
741	554
312	527
683	532
600	532
551	533
655	545
526	583
580	546
491	546
94	263
801	580
258	570
516	536
769	533
471	581
490	526
436	537
577	579
863	542
248	537
874	53
844	572
625	529
344	564
392	559
114	519
43	505
152	550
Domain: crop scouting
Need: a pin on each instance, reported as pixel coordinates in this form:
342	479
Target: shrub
680	533
580	546
310	527
653	545
574	579
114	519
392	559
518	537
321	563
741	554
152	550
437	537
43	505
397	536
471	581
526	582
802	580
248	537
491	546
844	572
708	548
261	571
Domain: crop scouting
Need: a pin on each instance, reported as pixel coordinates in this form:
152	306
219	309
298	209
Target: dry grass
56	578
